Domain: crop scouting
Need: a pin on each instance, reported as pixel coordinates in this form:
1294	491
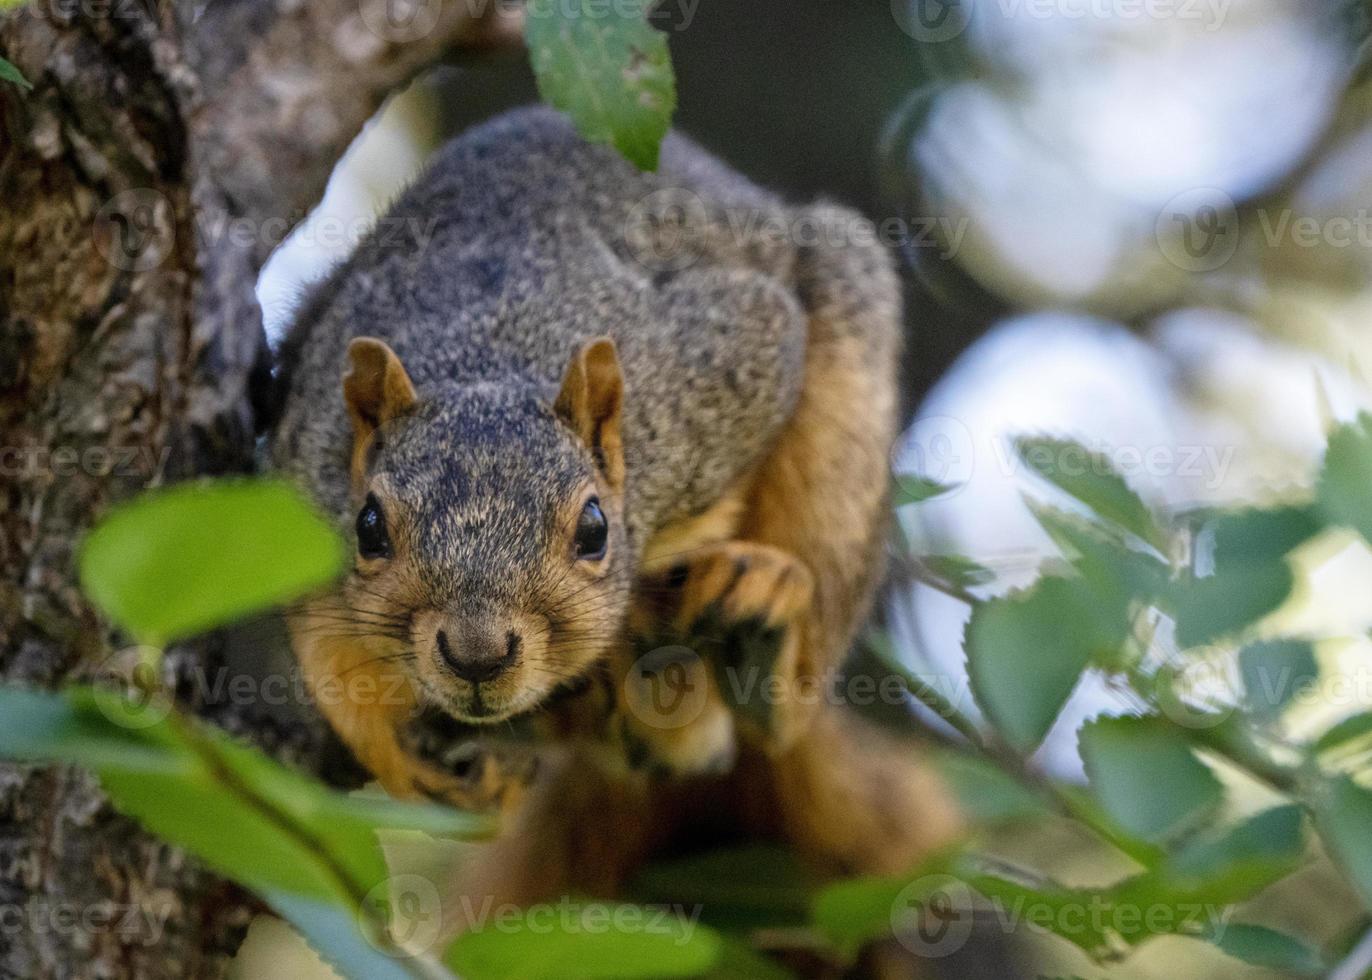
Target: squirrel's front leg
716	641
369	699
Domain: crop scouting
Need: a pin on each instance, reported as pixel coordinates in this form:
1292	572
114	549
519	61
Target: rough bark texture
162	153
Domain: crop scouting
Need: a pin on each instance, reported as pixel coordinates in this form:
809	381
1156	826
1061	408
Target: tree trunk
162	153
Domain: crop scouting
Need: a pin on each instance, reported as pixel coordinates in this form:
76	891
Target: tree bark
161	155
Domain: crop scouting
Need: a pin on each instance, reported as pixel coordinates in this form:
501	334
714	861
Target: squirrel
590	414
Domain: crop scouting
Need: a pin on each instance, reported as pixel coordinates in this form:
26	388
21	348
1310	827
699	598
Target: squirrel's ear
376	388
591	400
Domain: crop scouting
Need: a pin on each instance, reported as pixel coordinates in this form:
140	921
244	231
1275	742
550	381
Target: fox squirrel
589	414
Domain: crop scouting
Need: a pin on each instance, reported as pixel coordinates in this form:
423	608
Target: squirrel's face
488	529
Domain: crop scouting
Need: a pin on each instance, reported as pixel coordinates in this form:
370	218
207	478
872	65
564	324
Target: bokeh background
1143	223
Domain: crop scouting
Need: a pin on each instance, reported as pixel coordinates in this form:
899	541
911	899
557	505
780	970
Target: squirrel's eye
592	531
372	541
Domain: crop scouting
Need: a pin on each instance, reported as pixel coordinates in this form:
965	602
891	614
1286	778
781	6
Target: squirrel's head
489	534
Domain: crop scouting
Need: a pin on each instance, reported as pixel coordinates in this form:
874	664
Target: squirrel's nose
481	658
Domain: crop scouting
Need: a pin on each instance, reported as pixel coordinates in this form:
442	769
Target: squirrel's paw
742	605
741	582
463	772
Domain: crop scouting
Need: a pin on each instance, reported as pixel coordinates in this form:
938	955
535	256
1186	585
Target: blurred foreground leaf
8	72
586	941
1246	537
1342	490
1146	776
1274	672
1346	820
1267	948
986	793
1350	729
911	488
736	887
180	561
1232	864
1090	477
302	846
1229	601
1026	651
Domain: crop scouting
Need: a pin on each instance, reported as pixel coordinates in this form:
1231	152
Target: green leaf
1089	477
740	962
1267	948
311	852
1346	824
1235	863
9	73
986	793
737	887
1253	536
851	913
183	560
1274	672
607	68
1342	490
911	488
1227	602
1083	918
1100	558
1146	777
586	941
1026	651
1352	728
955	570
333	933
268	827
